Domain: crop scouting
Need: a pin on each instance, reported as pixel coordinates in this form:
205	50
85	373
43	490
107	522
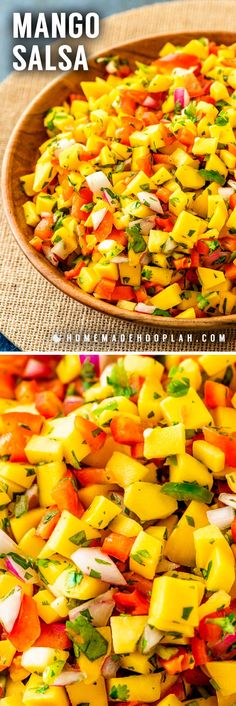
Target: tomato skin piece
216	394
66	497
27	626
53	635
126	431
118	546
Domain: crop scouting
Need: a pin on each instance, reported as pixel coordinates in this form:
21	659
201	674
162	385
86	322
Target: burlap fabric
34	314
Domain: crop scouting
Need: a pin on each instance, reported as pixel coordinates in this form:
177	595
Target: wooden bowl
21	154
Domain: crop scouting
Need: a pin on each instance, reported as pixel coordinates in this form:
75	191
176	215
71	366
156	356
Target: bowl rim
41	264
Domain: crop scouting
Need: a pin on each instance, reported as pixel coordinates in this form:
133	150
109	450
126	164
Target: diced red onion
232	183
98	181
182	97
223	648
110	197
100	609
69	676
225	192
50	256
59	251
144	308
91	559
222	517
150	638
150	200
110	668
146	224
119	259
93	359
111	67
97	217
26	575
144	259
10	608
228	499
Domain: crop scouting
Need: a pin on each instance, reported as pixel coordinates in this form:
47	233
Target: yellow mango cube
69	368
101	512
41	448
125	470
69	533
145	555
164	441
48	475
147	501
53	696
141	688
92	694
208	454
180	612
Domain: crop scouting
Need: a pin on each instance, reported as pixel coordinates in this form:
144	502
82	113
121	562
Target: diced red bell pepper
75	271
12	364
53	635
94	436
216	394
223	442
142	585
137	450
126	431
66	497
185	136
27	626
179	662
48	522
48	404
135	602
232	201
7	384
103	231
233	530
118	546
208	631
13	444
198	648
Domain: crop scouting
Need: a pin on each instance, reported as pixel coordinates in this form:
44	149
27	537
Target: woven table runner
36	316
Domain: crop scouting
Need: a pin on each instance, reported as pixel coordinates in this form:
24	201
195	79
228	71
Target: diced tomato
135	602
13	444
53	635
161	158
123	291
126	430
144	164
55	386
90	476
141	294
216	394
27	626
142	585
167	63
198	648
7	384
137	450
48	522
26	420
127	103
105	288
229	243
119	236
94	436
48	404
12	364
118	546
163	194
105	228
75	271
36	369
196	677
185	136
26	390
72	402
44	229
195	258
202	247
66	497
208	631
165	224
123	134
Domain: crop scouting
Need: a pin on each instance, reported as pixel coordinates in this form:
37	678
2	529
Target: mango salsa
118	536
139	167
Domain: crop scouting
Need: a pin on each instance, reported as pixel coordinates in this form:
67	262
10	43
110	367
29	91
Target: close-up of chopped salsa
133	196
117	530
